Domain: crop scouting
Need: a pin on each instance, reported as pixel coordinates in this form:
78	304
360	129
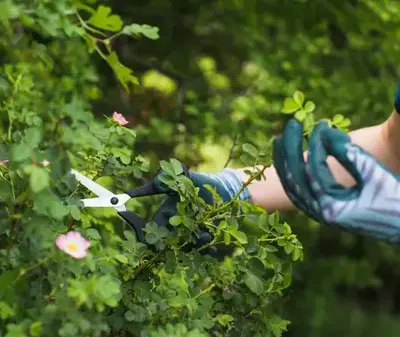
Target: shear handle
136	222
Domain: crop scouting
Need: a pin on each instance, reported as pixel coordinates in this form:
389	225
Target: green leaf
250	149
75	212
271	248
103	20
93	234
9	10
273	219
176	166
224	319
298	97
254	283
289	106
155	234
15	330
175	220
20	152
121	258
124	74
300	115
33	136
278	325
6	280
167	168
5	311
39	179
296	253
136	314
240	236
337	119
309	107
146	30
227	238
36	329
288	247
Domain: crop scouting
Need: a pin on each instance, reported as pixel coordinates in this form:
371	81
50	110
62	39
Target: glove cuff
228	182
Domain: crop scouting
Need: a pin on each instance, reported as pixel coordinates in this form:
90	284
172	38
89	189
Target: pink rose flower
74	244
119	119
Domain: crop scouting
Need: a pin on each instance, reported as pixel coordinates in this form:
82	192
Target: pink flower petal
74	244
119	118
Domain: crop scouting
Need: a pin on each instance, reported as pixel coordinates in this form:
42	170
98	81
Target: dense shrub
115	286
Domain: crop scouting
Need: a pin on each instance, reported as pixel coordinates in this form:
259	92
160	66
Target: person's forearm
377	140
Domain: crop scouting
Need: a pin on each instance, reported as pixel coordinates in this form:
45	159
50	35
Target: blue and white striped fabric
375	211
227	183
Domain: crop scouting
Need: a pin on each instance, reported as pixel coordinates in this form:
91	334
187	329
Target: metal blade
91	185
116	201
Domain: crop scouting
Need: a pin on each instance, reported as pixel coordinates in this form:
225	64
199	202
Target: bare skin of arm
382	141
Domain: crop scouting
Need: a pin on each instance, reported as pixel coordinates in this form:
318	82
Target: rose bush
68	271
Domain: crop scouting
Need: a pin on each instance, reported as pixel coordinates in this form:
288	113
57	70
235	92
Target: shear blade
116	201
97	189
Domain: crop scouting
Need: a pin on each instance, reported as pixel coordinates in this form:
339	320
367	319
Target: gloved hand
226	183
371	207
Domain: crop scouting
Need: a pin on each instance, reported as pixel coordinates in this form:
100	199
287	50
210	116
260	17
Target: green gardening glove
371	207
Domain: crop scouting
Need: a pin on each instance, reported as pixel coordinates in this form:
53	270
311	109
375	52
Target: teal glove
226	183
372	207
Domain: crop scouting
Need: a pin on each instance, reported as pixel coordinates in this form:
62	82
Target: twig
234	143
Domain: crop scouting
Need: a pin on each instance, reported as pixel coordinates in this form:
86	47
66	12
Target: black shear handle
136	222
155	186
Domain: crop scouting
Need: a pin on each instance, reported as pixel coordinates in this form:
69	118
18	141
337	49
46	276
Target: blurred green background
217	77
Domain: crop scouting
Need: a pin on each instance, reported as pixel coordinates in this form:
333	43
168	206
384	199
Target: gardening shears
106	198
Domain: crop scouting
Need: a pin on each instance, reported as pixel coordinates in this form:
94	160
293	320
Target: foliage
122	287
207	82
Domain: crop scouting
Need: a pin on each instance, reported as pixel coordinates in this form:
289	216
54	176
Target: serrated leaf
273	219
250	149
254	283
176	166
39	179
124	74
146	30
238	235
103	20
